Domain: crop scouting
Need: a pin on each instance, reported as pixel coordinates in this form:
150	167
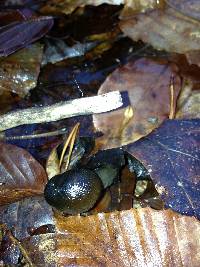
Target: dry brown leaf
20	174
188	104
165	30
137	237
148	85
19	72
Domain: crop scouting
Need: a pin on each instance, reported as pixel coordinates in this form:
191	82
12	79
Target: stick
62	110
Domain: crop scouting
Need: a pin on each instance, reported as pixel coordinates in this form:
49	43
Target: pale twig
172	103
62	110
32	136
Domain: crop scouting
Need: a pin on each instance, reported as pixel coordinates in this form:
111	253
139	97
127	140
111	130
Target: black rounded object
74	191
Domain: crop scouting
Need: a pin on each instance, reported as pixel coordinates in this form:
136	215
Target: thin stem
31	136
70	141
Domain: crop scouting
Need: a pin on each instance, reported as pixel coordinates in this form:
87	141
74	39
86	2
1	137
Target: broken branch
62	110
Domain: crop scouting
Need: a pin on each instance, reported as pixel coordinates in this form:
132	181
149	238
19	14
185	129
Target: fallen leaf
171	155
148	84
136	237
57	50
42	250
20	174
17	35
10	15
35	209
132	7
165	30
19	72
190	8
193	57
188	104
7	101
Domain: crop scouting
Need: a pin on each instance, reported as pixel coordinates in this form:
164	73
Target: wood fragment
62	110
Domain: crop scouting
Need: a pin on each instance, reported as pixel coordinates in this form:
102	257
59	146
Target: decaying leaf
17	35
28	216
137	237
148	84
20	174
171	154
165	30
188	104
19	72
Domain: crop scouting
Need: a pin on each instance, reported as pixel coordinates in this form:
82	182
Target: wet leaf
58	50
171	155
137	237
38	222
17	35
36	211
19	72
147	82
20	174
169	30
134	237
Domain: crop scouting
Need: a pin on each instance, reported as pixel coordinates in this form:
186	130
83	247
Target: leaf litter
149	105
124	237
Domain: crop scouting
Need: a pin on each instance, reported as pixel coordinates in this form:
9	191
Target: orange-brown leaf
148	84
142	237
20	174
